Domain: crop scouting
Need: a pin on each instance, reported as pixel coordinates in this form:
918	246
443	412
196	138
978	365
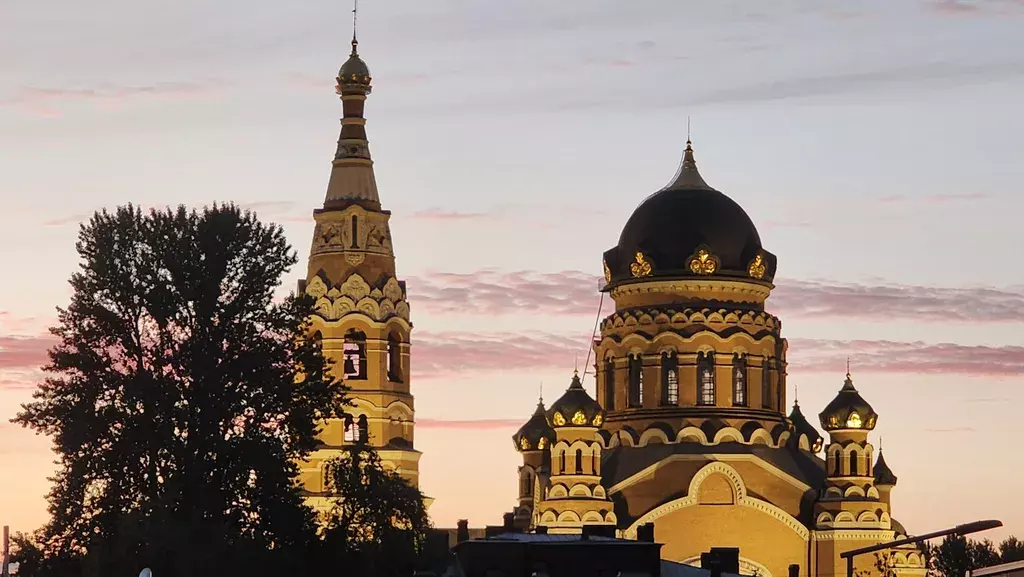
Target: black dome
671	227
883	474
801	426
575	408
536	433
848	410
354	70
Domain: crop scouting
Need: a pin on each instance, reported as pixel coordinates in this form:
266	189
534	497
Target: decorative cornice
697	288
688	316
356	296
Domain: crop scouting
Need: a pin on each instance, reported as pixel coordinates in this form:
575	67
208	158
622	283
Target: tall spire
352	180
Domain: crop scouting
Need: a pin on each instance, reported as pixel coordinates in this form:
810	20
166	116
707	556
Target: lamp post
965	529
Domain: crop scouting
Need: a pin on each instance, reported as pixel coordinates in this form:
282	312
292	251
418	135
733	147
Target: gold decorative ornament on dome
524	443
579	418
853	421
598	420
607	271
703	262
757	268
641	267
558	419
542	443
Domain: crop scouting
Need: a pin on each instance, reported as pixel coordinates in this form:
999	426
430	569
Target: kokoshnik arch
689	429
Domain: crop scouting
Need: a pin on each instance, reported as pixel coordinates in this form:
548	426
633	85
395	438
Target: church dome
575	408
802	426
848	410
536	433
688	229
354	70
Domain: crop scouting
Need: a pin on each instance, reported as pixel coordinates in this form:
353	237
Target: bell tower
361	315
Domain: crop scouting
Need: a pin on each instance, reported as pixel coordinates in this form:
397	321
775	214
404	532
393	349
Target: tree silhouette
1011	549
179	397
957	554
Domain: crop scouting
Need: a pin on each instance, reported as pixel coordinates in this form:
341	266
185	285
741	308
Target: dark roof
534	430
803	427
575	400
553	538
672	225
839	414
354	70
883	474
622	462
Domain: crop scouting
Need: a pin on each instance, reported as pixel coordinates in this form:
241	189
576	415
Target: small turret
885	479
806	437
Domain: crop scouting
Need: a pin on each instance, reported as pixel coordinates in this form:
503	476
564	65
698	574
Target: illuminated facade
689	429
361	315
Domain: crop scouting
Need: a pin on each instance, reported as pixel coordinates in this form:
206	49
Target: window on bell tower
354	365
739	380
352	429
669	379
853	464
394	359
706	378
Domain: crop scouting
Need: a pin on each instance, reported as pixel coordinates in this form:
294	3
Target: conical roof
883	474
802	426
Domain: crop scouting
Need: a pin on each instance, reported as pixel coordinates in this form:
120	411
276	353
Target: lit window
739	381
766	385
706	379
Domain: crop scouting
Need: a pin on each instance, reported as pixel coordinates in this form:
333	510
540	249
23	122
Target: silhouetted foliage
957	554
379	522
1011	549
179	397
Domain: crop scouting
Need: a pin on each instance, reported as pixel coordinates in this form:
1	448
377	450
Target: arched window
766	385
706	378
364	429
351	429
669	379
836	465
579	461
394	359
636	381
594	468
609	384
563	469
355	355
355	232
739	380
853	463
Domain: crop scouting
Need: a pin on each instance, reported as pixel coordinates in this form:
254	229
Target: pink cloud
575	293
24	353
447	215
45	101
473	425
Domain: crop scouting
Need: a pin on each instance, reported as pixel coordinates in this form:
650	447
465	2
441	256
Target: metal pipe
964	529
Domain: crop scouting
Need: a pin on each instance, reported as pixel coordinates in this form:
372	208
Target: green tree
378	522
179	397
957	554
1011	549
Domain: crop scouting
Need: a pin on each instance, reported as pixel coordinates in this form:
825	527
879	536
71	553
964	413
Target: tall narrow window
564	471
394	359
363	428
609	384
355	232
766	385
579	462
636	381
836	465
351	430
669	379
706	379
355	355
739	380
594	469
853	464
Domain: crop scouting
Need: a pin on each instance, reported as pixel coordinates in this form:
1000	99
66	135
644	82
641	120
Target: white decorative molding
742	500
717	457
356	296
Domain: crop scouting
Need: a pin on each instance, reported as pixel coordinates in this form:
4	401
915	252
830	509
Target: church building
689	430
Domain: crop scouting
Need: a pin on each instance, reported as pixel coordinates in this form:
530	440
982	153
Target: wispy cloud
472	425
489	292
273	210
935	198
24	353
448	215
47	101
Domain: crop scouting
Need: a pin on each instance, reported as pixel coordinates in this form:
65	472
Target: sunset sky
875	144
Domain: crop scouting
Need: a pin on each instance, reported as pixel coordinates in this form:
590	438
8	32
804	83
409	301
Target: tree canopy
179	397
957	554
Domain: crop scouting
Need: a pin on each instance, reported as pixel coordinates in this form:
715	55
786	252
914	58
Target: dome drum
575	408
848	411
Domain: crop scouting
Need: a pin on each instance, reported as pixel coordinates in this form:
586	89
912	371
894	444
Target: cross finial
796	394
355	16
542	392
687	129
847	366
